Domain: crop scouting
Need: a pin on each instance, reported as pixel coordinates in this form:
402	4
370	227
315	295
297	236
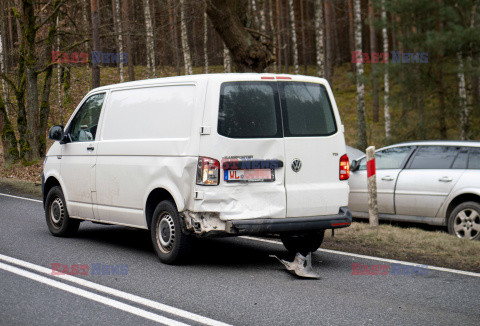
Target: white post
372	187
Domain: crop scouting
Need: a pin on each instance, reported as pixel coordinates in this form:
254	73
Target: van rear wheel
170	244
303	243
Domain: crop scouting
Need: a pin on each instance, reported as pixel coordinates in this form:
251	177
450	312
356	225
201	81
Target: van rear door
314	145
243	125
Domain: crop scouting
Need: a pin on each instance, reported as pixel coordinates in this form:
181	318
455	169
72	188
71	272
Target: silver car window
434	157
390	158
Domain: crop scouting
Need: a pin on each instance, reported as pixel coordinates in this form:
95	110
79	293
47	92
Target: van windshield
274	109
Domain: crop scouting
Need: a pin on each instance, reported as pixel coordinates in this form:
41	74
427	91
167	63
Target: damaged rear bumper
292	224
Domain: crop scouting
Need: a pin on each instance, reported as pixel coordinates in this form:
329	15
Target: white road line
120	294
92	296
393	261
441	269
24	198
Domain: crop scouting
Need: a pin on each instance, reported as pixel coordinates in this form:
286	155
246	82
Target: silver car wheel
57	212
165	233
467	224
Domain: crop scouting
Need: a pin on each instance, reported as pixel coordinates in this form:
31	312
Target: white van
202	155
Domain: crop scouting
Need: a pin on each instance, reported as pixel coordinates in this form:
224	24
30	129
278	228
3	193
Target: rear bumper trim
291	224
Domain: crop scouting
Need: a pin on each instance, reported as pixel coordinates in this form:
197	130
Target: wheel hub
166	232
57	211
467	224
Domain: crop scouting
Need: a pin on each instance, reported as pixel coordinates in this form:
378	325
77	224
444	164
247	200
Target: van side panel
149	140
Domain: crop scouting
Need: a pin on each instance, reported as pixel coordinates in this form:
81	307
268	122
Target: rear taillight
344	168
208	171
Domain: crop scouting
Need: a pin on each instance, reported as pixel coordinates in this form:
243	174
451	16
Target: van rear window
308	110
249	110
256	109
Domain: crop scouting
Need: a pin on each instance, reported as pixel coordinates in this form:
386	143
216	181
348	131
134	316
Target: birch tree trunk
95	10
2	65
386	81
185	47
361	124
59	77
263	20
274	38
294	36
119	32
462	93
374	73
465	85
205	40
85	22
319	38
150	41
279	37
227	59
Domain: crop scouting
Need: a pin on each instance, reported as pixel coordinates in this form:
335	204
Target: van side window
434	157
84	125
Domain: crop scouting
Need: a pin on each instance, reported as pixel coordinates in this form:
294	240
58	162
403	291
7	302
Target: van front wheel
170	244
303	243
58	221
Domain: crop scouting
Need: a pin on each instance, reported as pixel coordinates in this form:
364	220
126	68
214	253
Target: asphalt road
232	281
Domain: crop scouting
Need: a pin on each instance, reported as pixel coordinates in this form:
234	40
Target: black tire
303	243
58	221
171	245
464	221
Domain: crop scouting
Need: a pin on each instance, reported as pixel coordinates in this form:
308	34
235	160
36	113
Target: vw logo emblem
296	165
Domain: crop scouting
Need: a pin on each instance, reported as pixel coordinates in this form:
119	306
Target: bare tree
95	10
465	85
386	81
172	16
320	53
205	40
294	36
227	59
374	73
361	124
127	18
272	29
329	40
150	41
185	47
229	20
119	32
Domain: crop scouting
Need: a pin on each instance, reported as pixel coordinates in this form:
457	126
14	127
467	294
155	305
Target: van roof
202	77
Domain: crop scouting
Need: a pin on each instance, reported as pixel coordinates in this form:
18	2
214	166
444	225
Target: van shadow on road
204	252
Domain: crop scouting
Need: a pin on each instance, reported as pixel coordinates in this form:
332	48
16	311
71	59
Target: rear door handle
387	178
90	148
445	179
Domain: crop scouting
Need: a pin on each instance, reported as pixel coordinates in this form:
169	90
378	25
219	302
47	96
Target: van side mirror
354	166
56	133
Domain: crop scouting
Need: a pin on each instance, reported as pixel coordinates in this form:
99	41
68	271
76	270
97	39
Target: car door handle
90	148
445	179
387	178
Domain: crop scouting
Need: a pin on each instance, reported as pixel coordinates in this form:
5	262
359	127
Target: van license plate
257	175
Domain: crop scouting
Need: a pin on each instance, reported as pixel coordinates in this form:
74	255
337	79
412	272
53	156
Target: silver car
432	182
